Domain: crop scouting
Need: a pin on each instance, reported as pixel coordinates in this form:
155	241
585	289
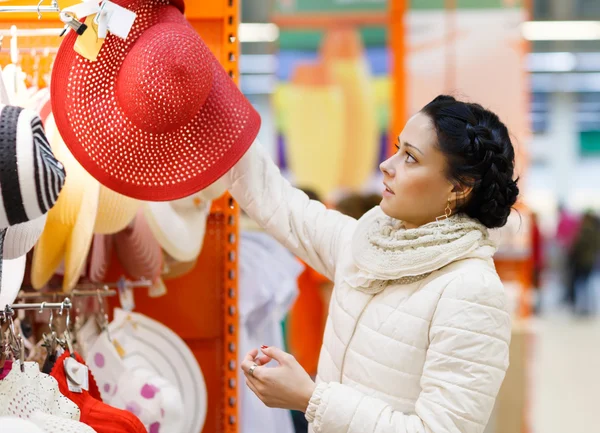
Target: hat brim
13	272
153	346
77	101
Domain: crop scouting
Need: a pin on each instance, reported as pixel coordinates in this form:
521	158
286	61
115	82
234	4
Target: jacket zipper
351	338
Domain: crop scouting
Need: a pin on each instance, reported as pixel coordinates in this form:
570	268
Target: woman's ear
462	193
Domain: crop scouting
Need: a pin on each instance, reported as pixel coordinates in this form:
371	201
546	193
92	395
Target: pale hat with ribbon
70	225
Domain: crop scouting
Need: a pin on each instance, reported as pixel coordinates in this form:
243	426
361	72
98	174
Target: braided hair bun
480	155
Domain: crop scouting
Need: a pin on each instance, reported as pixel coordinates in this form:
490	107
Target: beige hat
179	225
174	269
70	225
115	211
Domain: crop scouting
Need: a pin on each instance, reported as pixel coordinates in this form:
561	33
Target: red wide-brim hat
155	117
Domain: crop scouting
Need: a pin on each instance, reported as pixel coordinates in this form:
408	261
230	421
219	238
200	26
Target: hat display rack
201	306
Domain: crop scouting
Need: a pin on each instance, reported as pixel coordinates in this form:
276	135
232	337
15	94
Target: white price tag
119	19
77	375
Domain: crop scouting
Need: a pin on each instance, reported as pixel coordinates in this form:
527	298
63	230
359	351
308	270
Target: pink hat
100	256
138	251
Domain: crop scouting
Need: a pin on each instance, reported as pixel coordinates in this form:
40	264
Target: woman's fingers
263	360
249	360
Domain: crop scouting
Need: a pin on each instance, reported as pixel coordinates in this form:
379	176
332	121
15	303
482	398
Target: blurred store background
334	80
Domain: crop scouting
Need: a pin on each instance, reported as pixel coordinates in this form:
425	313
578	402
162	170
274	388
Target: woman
418	330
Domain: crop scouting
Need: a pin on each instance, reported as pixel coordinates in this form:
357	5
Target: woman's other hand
286	386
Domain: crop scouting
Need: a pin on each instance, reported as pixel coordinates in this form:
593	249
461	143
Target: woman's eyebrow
414	147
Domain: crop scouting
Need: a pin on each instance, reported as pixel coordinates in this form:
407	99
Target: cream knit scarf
385	252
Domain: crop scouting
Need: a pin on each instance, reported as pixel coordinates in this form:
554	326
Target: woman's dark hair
480	155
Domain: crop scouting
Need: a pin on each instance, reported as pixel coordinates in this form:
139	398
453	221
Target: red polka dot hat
156	117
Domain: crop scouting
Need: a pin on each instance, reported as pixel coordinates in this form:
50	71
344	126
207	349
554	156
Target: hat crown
165	79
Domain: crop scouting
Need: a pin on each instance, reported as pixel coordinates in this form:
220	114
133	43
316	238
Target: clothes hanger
66	342
17	347
3	348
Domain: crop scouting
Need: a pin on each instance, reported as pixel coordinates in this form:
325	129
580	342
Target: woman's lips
387	191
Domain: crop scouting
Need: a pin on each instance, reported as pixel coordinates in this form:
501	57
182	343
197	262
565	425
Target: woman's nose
386	168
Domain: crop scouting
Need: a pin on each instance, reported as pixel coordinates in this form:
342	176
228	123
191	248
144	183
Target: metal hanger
17	346
39	9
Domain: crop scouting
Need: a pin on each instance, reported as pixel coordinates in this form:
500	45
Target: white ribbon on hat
105	12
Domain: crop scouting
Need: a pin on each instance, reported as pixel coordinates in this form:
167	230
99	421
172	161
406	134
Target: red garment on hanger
6	369
98	415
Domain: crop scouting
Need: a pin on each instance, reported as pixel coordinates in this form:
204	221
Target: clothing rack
9	311
88	289
64	305
39	9
74	294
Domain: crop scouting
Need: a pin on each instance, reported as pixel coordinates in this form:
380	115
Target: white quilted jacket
423	357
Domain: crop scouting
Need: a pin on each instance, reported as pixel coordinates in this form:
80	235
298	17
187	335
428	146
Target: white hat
179	225
12	274
150	345
18	425
21	238
149	396
18	240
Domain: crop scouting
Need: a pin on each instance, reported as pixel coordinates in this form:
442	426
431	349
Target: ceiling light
258	32
561	30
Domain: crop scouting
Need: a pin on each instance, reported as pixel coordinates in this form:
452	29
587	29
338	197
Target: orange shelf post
398	49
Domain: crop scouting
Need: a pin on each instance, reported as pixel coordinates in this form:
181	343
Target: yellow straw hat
70	224
115	211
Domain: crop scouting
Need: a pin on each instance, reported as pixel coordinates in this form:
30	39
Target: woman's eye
409	158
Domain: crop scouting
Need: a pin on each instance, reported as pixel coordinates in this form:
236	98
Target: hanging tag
157	289
77	375
82	10
119	19
125	295
89	44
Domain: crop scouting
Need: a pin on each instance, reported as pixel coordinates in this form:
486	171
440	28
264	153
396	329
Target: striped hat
30	177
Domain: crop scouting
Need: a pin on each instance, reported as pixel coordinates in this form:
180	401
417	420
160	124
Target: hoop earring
447	213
